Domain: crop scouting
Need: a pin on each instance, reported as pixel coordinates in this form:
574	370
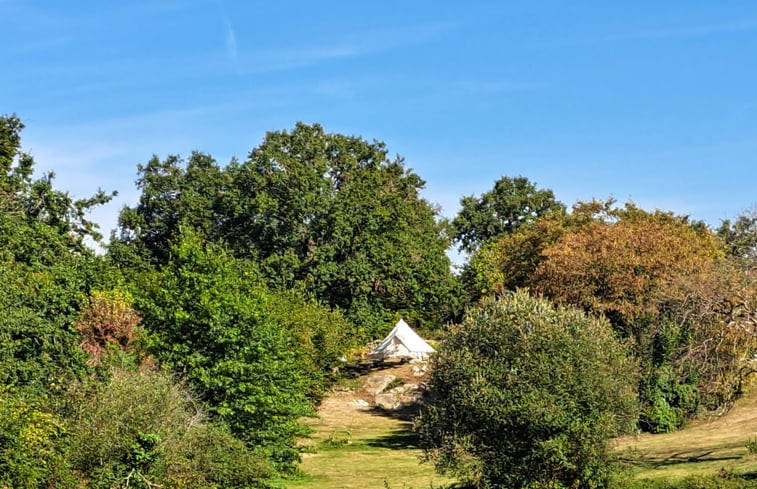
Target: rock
412	394
402	396
420	370
377	383
387	401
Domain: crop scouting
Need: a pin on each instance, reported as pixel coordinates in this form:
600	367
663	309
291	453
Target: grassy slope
373	450
358	447
705	447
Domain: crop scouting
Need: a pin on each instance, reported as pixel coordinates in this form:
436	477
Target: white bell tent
402	342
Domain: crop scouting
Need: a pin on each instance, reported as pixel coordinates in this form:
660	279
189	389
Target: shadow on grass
360	369
404	413
396	440
678	459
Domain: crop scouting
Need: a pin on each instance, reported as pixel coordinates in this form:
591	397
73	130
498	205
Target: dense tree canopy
640	269
500	211
327	213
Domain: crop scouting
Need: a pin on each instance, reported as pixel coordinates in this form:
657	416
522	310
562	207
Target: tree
36	202
45	268
335	213
615	265
512	203
174	193
328	214
663	281
741	236
209	316
524	392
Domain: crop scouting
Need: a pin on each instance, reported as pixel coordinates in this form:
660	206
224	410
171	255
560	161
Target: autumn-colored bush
663	281
108	321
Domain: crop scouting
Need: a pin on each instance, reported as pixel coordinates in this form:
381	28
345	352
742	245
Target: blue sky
654	102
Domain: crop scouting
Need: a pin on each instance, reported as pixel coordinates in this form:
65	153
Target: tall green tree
211	323
174	193
335	212
45	268
329	214
500	211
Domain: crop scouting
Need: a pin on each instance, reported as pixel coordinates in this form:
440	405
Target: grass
707	447
358	447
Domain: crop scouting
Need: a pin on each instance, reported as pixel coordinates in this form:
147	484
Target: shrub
31	453
143	428
526	394
212	324
107	322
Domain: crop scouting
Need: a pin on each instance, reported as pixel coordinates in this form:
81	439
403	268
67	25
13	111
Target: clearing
358	446
355	445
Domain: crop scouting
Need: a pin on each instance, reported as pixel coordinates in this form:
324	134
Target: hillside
356	445
709	446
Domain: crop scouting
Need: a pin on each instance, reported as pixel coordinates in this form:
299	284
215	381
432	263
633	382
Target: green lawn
707	447
358	447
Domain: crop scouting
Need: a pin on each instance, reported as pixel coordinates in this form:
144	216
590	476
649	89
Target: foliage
512	203
510	262
31	450
107	322
174	193
212	326
741	236
38	349
45	270
662	281
329	212
319	337
140	429
528	393
36	202
616	267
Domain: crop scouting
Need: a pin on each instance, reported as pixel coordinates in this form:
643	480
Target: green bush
320	336
212	324
31	444
667	400
526	394
143	428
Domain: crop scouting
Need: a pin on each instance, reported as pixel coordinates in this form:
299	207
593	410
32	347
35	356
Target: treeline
188	353
585	325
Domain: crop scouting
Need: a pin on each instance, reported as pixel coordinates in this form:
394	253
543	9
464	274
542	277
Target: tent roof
405	334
